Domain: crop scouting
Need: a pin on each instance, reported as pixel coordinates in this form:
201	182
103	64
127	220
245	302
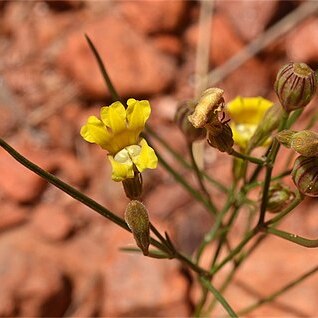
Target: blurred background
59	258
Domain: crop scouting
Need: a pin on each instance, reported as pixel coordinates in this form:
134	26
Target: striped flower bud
136	217
295	85
305	175
191	133
279	197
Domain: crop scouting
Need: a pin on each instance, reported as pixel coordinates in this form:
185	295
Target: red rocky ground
57	257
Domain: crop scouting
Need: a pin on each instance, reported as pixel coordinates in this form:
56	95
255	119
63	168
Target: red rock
16	181
155	16
51	222
126	273
165	199
249	18
168	44
224	40
12	215
31	286
301	44
70	169
134	71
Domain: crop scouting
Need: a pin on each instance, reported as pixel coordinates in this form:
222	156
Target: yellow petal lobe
147	158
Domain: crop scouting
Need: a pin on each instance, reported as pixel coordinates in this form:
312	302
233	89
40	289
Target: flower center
246	130
127	154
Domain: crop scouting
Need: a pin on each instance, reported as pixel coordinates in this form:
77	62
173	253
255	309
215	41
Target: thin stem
292	237
211	235
236	250
218	296
199	177
269	168
243	156
102	68
279	292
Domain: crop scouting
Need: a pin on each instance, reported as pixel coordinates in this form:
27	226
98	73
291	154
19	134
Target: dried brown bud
295	85
133	186
191	133
269	123
209	102
136	217
222	139
305	175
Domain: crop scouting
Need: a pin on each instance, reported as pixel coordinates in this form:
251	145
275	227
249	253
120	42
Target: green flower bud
133	186
305	142
269	123
221	138
305	175
295	85
136	217
279	197
284	137
191	133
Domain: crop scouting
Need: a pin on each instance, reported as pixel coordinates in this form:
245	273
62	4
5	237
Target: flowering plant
235	129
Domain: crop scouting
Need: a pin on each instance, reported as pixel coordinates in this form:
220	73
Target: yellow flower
246	113
118	132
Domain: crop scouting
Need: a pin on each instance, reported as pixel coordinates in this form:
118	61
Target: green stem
211	235
269	168
218	296
292	237
102	68
243	156
199	177
236	250
276	294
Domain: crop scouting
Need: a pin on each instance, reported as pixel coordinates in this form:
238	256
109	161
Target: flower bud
191	133
268	124
209	103
136	217
305	142
133	186
279	197
305	175
295	85
222	138
284	137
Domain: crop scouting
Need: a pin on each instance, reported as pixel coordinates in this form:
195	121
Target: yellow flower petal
114	117
137	114
147	158
95	132
242	134
121	171
249	110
